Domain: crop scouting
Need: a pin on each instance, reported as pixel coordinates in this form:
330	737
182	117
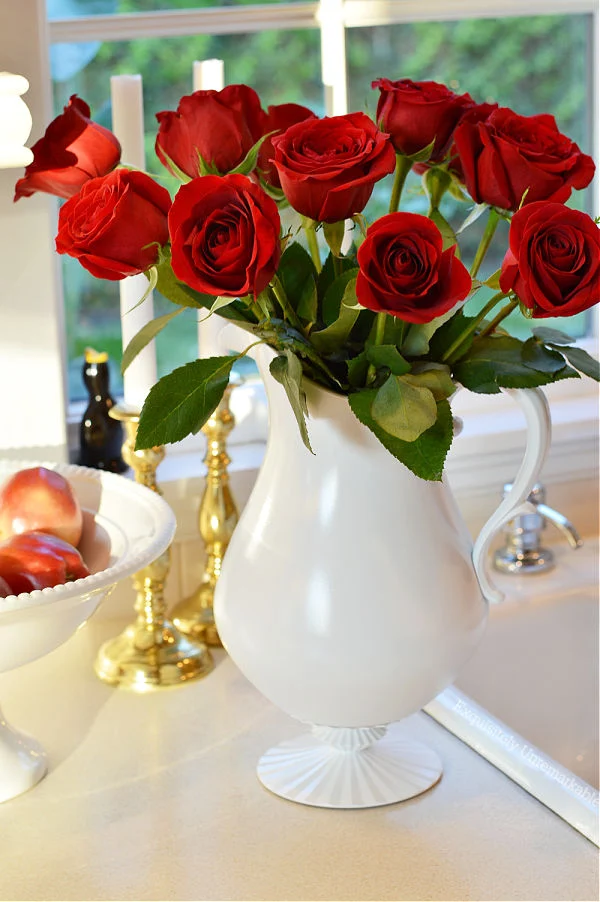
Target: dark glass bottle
100	436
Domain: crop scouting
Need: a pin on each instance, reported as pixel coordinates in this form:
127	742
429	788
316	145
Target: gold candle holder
151	652
216	521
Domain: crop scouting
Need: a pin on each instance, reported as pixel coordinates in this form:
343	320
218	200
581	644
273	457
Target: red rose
114	224
507	155
224	235
404	271
415	113
220	126
328	167
279	118
553	260
73	150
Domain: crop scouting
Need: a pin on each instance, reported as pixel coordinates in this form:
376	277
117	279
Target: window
525	53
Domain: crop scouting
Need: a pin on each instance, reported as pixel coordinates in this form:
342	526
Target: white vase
351	595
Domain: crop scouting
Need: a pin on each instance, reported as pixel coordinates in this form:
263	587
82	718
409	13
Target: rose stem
288	312
502	314
313	246
459	341
380	321
486	240
403	167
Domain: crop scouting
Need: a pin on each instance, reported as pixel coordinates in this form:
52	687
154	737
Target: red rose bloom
328	167
404	271
415	113
507	155
224	236
73	150
279	118
114	224
553	260
220	126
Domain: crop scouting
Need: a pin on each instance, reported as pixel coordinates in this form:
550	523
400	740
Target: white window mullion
32	352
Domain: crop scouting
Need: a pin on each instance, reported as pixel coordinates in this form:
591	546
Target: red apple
35	560
20	580
40	499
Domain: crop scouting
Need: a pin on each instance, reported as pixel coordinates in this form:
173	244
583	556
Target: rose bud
115	225
328	167
279	119
404	271
553	260
507	159
224	235
40	499
219	126
73	150
415	113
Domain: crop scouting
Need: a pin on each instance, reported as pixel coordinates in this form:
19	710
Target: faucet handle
522	552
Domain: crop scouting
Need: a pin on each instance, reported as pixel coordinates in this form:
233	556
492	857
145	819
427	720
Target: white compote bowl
126	526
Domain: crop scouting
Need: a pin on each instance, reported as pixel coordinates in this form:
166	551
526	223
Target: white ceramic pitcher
351	595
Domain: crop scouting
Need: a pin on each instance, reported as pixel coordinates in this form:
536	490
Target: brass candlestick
151	652
216	521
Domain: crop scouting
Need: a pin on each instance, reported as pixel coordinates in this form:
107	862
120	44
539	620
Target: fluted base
349	768
23	762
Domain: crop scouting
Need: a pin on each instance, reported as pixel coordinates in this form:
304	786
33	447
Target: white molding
288	16
361	13
185	22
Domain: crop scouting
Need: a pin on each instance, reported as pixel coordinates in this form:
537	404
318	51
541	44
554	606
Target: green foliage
427	454
287	370
402	409
182	402
496	362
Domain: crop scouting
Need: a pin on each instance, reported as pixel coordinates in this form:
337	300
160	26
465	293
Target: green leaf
389	356
583	362
552	336
152	276
334	336
358	368
334	236
184	296
536	356
416	341
298	275
182	402
402	409
421	156
448	236
425	456
448	332
249	161
473	216
327	277
494	280
330	308
287	370
145	336
495	362
434	376
177	172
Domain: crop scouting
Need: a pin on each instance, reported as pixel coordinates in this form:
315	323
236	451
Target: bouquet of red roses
380	319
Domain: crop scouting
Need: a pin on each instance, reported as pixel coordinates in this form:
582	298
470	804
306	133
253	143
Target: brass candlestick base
217	520
151	652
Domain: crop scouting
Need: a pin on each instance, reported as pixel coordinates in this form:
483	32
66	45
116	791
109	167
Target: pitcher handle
535	407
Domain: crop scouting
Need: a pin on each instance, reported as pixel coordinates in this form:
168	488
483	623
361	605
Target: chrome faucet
522	551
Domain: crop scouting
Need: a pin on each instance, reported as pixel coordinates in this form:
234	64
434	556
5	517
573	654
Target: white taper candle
128	126
208	75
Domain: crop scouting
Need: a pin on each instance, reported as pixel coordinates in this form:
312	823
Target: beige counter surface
155	797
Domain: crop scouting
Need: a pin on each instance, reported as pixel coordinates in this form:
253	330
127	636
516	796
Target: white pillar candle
208	76
128	126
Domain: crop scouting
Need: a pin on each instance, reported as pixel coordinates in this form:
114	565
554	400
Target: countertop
155	796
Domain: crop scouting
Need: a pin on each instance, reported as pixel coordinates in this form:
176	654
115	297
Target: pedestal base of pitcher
349	768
